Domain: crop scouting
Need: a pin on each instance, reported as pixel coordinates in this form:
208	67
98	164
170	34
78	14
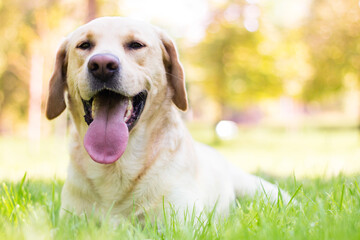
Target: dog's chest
123	187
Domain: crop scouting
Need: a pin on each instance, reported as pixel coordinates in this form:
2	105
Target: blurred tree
245	56
92	10
235	58
333	36
26	36
13	63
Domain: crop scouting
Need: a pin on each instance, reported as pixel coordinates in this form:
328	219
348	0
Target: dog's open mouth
133	111
110	117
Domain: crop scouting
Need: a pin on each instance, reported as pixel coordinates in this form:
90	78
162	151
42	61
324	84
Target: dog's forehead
115	27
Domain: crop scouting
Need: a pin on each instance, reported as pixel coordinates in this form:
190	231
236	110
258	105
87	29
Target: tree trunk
91	10
35	88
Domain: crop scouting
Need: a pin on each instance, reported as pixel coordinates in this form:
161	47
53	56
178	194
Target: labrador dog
123	85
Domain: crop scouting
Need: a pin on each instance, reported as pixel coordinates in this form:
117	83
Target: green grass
319	167
326	209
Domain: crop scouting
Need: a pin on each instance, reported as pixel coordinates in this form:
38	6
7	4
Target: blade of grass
293	196
342	197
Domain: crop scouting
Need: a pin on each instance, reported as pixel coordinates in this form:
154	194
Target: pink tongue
107	136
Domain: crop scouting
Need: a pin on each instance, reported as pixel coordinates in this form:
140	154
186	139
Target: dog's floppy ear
56	101
174	71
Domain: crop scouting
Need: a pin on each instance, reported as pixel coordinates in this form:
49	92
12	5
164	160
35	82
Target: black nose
103	66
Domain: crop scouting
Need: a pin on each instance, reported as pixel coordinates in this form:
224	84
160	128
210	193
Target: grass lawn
306	164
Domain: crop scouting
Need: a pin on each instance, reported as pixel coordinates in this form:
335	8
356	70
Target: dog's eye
84	45
135	45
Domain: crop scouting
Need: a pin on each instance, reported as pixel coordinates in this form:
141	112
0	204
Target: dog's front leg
246	184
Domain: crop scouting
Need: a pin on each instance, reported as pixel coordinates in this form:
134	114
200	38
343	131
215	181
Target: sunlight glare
251	15
180	18
226	130
252	25
232	13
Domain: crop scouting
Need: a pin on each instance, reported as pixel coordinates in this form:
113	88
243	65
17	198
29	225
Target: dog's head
111	69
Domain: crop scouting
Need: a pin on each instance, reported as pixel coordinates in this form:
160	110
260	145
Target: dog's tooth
130	106
127	116
128	111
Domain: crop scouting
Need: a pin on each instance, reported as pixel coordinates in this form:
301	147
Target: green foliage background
236	67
